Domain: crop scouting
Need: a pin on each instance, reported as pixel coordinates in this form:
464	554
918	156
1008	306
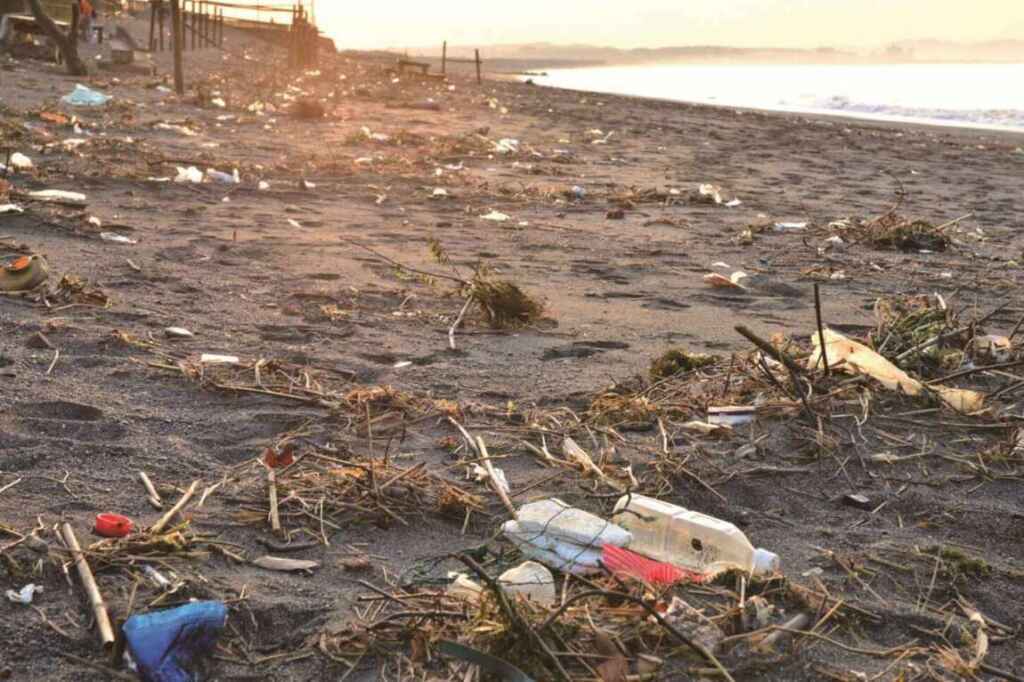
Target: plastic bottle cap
765	562
113	525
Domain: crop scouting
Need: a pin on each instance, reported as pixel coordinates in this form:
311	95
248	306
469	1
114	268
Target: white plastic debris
733	203
178	333
58	195
222	177
712	191
790	227
563	537
480	474
439	192
117	238
187	132
21	162
689	539
731	416
506	145
10	208
402	364
376	137
214	359
463	588
24	595
263	186
532	580
306	184
191	175
156	576
495	216
218	102
852	357
82	96
719	281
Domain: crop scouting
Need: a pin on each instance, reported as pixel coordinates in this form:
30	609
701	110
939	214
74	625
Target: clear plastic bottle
689	539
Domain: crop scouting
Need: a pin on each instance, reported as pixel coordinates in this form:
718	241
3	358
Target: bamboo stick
275	517
99	608
486	459
154	496
166	518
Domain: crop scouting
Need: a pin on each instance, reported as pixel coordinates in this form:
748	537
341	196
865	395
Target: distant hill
919	50
995	50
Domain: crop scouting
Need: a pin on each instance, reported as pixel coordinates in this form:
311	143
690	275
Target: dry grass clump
504	304
676	361
892	231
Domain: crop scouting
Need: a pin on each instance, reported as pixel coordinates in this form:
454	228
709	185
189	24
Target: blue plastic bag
82	96
164	644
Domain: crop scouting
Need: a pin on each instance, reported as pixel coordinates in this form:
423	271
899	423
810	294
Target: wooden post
444	57
219	23
160	17
206	26
152	27
292	40
478	79
179	40
192	23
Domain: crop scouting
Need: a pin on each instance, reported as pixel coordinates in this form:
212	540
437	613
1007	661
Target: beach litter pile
307	381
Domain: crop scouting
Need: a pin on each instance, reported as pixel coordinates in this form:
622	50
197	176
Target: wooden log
478	77
99	608
166	518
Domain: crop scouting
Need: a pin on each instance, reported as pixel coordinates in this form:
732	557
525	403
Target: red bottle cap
113	525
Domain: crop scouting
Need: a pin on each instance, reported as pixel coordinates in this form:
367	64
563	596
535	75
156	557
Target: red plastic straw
623	562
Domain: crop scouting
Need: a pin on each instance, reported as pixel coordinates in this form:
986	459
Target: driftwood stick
798	622
458	321
770	350
492	478
465	434
99	608
166	518
154	496
275	517
821	328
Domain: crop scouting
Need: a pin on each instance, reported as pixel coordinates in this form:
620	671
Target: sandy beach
336	285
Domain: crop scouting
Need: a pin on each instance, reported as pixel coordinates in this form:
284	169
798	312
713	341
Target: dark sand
225	263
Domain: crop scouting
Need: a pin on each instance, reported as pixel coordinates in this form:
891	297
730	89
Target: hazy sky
654	23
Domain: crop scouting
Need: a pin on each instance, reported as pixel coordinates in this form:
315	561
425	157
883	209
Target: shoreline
538	75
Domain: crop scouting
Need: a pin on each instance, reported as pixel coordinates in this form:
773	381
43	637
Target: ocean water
974	95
